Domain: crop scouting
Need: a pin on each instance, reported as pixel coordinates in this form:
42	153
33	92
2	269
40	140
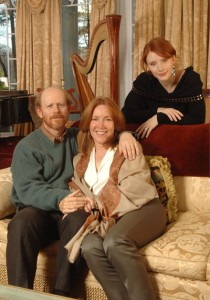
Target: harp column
113	24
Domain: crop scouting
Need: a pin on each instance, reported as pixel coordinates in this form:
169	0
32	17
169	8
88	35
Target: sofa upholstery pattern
178	262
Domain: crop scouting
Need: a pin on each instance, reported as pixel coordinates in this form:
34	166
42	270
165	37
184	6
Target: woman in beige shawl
125	211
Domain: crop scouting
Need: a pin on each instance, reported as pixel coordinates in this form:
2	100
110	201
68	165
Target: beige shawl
129	187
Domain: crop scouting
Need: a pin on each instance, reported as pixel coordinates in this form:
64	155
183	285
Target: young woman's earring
174	71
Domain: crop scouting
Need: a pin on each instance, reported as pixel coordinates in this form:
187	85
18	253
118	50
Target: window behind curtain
75	34
8	78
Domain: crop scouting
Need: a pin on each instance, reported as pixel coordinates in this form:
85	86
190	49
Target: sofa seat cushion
46	258
3	229
183	251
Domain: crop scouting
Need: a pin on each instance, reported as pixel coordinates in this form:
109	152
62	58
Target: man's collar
54	139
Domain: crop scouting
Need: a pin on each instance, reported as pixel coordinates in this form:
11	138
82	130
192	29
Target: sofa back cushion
6	206
193	193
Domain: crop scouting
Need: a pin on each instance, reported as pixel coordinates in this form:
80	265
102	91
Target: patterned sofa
179	261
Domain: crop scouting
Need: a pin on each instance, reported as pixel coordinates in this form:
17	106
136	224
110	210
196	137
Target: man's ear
39	111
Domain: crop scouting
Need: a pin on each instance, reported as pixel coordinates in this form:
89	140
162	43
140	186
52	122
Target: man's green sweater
42	169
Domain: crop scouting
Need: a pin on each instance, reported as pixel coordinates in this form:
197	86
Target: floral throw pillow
163	179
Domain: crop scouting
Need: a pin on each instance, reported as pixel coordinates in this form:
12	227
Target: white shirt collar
97	180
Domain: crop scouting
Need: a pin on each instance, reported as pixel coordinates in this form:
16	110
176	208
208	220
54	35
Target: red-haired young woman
164	94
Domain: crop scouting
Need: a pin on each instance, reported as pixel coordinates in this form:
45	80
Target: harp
105	30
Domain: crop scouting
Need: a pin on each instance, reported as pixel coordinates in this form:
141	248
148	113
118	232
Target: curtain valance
100	3
36	6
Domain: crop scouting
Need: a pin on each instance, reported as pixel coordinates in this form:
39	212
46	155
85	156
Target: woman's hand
145	129
171	113
128	145
90	204
76	201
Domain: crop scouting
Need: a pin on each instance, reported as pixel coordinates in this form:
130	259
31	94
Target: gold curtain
38	47
149	22
185	24
99	10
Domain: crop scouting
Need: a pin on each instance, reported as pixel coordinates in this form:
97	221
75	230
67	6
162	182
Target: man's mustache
56	116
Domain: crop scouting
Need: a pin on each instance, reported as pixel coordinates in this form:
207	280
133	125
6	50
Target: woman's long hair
85	140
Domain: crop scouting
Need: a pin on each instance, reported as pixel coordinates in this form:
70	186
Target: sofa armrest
6	206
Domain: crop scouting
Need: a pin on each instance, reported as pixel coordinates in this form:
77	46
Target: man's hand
76	201
145	129
128	145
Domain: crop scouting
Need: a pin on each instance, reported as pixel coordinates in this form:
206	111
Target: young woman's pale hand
173	114
145	128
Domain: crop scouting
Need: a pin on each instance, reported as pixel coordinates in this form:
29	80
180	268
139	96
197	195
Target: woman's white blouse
96	180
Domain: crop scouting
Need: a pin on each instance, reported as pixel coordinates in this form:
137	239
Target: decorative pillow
6	206
163	179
